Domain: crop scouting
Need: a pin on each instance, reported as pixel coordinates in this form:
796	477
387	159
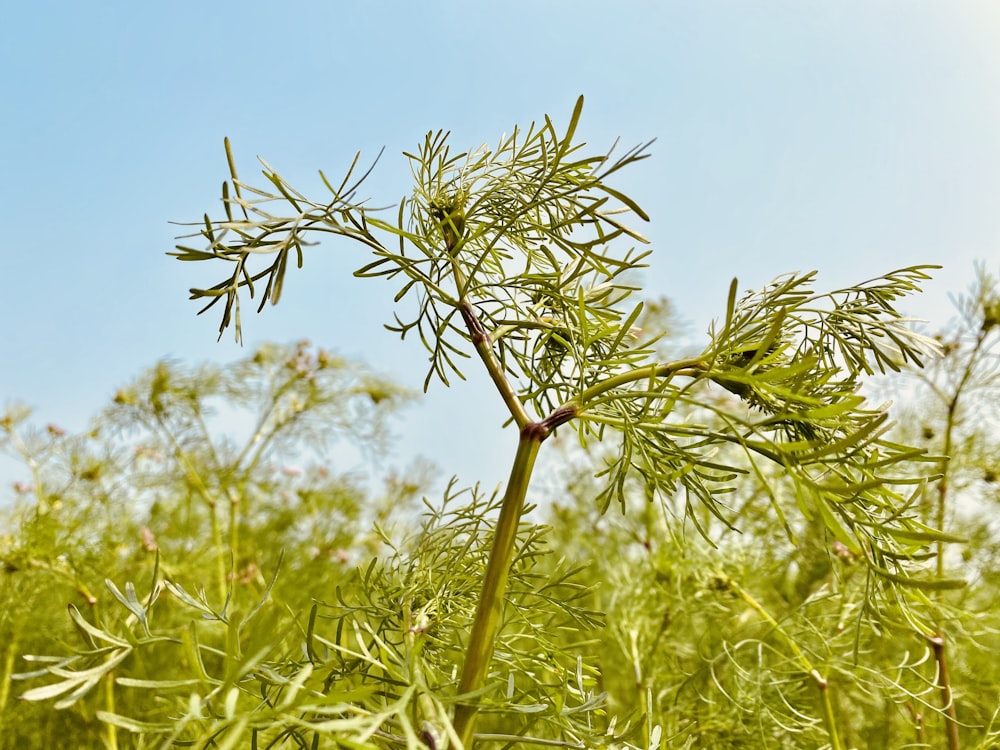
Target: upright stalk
829	717
947	698
8	670
951	402
944	488
479	652
111	731
489	611
235	497
944	483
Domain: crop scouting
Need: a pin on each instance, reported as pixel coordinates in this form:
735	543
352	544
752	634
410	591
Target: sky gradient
851	137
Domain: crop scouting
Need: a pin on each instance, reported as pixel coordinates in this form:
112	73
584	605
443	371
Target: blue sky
852	137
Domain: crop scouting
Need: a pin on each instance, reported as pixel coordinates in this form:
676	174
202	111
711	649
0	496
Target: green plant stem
479	651
484	347
235	497
490	609
943	488
952	418
951	406
944	482
220	553
693	366
8	669
918	724
829	717
109	698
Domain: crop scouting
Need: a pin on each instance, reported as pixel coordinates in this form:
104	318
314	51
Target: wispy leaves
536	257
250	231
795	359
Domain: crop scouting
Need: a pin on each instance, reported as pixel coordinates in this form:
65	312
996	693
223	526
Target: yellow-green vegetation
743	551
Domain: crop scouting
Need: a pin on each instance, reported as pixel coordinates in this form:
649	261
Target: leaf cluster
535	257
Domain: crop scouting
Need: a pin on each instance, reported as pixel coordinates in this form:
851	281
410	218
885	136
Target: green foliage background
701	637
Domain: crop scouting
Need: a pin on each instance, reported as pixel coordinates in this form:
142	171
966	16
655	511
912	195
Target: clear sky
850	136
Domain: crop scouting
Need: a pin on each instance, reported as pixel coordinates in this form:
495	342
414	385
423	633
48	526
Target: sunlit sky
852	137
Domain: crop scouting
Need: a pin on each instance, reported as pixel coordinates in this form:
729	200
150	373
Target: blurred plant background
219	580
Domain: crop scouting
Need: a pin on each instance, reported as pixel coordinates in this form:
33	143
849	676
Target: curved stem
488	613
693	367
829	717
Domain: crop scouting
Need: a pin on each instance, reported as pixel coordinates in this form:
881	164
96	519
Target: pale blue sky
852	137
